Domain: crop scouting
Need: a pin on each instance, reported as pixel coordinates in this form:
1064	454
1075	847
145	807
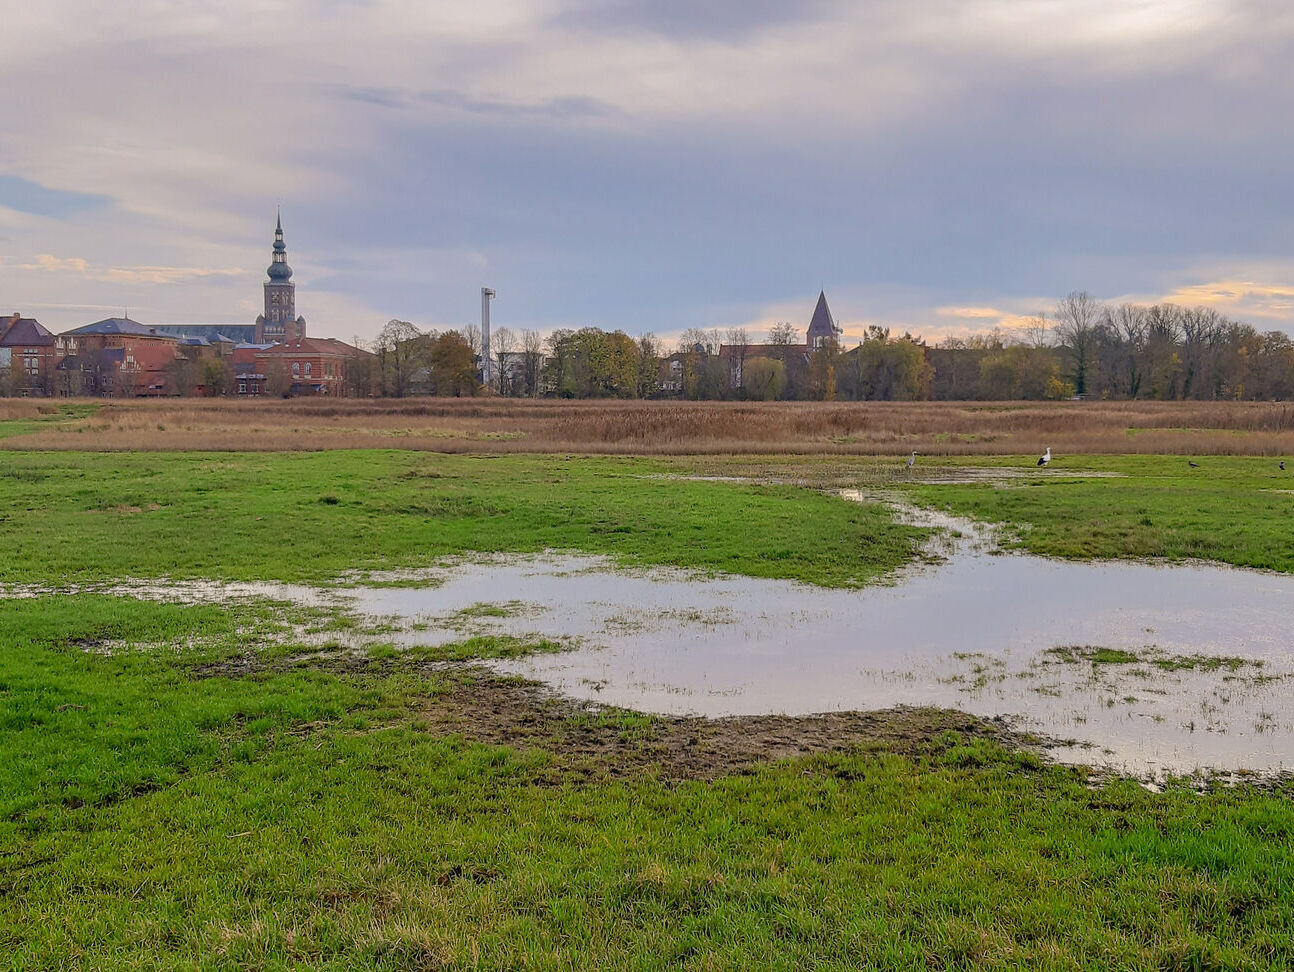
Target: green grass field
1233	509
313	516
181	788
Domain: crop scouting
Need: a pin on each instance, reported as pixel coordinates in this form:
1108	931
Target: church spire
280	321
279	270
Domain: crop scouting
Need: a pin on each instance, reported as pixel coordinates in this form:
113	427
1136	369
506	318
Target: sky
937	166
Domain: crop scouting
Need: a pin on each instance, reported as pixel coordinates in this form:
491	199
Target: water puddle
1149	670
1145	669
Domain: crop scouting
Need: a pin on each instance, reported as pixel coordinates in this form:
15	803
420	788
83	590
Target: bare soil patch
590	743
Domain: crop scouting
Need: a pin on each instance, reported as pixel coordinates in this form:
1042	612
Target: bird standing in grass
1282	465
1192	463
1045	458
907	466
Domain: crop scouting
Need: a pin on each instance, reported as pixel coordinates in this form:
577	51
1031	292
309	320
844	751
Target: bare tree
472	335
1127	325
698	339
400	351
532	349
1202	332
1077	317
783	332
739	341
1037	330
502	343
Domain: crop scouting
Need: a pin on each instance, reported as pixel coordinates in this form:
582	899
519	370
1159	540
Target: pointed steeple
822	327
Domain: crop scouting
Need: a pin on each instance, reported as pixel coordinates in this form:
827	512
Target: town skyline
935	167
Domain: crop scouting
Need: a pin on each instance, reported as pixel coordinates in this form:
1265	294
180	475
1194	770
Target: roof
822	324
749	351
233	333
102	359
119	325
24	331
313	346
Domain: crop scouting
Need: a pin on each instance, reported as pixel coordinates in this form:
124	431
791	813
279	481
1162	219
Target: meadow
501	425
197	785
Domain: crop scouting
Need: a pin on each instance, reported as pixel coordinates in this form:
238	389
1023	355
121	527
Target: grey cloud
681	19
568	107
572	107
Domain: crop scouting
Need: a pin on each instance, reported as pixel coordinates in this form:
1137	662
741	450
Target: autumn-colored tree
452	365
763	378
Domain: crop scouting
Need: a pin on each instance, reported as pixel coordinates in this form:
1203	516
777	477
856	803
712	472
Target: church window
296	370
274	298
307	369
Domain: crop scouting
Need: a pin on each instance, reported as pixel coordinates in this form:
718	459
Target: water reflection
1198	680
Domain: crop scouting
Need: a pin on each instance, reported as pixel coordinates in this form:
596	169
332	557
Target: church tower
280	322
823	328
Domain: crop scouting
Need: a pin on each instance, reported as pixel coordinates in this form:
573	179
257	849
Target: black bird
1192	464
1282	465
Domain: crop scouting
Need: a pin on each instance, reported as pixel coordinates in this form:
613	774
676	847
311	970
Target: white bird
1045	458
912	461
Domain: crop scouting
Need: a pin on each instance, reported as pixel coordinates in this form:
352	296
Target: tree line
1123	351
1083	348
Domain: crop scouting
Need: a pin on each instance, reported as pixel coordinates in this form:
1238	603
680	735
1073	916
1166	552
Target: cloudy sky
650	165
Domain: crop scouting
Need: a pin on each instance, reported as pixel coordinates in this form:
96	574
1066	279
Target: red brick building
116	356
28	355
306	366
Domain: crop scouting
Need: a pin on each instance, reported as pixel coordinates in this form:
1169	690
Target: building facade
116	356
308	366
28	356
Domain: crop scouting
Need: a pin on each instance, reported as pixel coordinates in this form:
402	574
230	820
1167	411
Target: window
307	369
296	370
242	388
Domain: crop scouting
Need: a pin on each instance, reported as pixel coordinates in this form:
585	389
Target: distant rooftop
26	331
118	325
212	332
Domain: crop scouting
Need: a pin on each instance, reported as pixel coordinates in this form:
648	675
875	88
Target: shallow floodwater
1140	668
1204	684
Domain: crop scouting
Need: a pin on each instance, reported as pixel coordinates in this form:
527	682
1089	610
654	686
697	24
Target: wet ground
1143	669
1148	669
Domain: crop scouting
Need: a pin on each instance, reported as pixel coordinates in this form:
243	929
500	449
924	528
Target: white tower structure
487	372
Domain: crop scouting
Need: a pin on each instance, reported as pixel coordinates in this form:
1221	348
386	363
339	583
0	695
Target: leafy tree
764	378
888	369
452	364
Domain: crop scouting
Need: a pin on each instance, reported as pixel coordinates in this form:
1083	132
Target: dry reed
613	427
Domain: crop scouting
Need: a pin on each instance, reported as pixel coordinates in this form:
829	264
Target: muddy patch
593	742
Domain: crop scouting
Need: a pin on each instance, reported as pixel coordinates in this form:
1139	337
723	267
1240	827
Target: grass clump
487	646
1156	657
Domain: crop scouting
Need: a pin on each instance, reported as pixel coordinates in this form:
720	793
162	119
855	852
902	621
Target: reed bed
666	428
